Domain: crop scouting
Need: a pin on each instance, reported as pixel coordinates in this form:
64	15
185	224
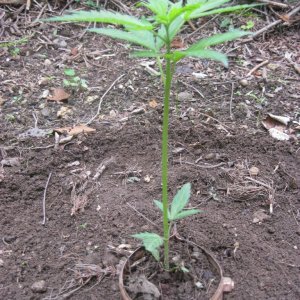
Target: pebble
244	82
1	262
47	62
185	96
39	286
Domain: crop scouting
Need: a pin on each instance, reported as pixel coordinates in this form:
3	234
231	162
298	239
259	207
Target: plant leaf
205	53
198	13
180	200
218	39
158	7
151	242
69	72
160	206
145	54
142	37
186	213
174	28
103	16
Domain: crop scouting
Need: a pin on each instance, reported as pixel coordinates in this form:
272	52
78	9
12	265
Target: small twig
191	86
102	167
200	166
231	99
35	120
208	116
273	3
102	98
142	215
259	182
44	199
257	67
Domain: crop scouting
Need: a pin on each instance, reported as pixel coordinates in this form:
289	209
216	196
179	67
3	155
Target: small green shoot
83	226
74	81
154	35
249	25
153	241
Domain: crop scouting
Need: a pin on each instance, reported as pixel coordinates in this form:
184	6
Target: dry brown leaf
59	94
153	103
74	51
178	43
75	130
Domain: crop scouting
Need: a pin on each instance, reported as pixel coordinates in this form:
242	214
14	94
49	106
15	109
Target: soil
98	187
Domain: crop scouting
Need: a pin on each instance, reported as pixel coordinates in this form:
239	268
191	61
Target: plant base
140	260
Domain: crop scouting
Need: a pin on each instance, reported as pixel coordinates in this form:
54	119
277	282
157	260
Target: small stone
185	96
199	285
39	286
47	62
45	112
112	113
271	230
253	171
244	82
44	80
1	262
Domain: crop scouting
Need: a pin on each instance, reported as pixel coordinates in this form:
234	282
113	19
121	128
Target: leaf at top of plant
218	39
205	53
158	7
141	37
180	200
103	16
69	72
186	213
174	28
151	242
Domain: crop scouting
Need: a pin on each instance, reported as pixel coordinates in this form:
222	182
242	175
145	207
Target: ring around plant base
226	284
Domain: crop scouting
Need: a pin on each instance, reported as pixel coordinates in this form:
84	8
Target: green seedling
249	25
83	226
154	34
74	81
12	44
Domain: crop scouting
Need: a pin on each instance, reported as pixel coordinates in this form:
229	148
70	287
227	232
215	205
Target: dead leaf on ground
277	126
141	285
59	94
178	43
75	130
153	103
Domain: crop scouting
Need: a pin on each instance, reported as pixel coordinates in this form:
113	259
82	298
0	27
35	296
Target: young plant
74	81
154	34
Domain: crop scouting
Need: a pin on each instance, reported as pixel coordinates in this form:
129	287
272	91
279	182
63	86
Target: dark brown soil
210	148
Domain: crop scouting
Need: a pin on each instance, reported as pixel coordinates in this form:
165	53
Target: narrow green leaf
180	200
186	213
218	39
160	206
145	54
198	14
151	242
103	16
142	37
208	54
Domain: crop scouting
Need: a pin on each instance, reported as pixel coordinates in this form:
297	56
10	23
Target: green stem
167	91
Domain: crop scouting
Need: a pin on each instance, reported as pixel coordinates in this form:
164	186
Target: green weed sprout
74	81
154	34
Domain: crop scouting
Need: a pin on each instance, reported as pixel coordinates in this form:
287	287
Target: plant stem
165	133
